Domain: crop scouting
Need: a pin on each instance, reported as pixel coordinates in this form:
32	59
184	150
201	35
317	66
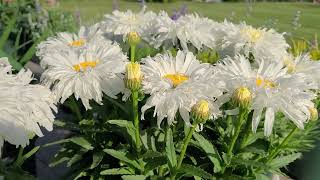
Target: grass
277	15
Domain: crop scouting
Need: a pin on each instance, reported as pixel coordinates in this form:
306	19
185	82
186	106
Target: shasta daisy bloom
273	90
23	107
260	42
64	42
303	64
189	29
123	23
86	74
176	84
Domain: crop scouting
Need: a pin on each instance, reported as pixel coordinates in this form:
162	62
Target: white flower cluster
88	64
23	107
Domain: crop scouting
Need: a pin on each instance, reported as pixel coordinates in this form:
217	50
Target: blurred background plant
24	23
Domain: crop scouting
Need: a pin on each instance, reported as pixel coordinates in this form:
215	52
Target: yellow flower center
84	65
176	79
253	34
77	43
265	83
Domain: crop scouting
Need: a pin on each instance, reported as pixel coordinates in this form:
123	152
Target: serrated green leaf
96	159
117	171
170	149
211	151
133	177
190	170
123	157
81	141
284	160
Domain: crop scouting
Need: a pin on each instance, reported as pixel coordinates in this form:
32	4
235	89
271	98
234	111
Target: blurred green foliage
23	24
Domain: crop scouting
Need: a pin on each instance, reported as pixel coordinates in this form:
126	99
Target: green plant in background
23	24
315	49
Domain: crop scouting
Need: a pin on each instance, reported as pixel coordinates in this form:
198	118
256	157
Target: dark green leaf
96	159
190	170
153	163
211	151
117	171
128	125
123	157
81	141
170	149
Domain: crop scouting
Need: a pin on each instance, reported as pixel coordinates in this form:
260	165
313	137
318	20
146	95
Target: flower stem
132	53
241	120
276	151
185	145
136	119
75	108
19	160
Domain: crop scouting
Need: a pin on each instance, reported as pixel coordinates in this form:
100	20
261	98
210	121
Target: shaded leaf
194	171
211	151
81	141
123	157
96	159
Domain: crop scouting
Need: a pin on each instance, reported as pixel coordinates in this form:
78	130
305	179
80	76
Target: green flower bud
133	38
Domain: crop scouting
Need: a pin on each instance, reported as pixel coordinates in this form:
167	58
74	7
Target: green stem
241	120
76	109
19	160
246	134
132	53
185	145
135	111
276	151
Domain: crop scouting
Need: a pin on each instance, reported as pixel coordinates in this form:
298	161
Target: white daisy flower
273	90
246	39
305	65
23	107
86	75
176	84
189	29
123	23
64	42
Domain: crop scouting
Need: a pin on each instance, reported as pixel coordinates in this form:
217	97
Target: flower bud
133	76
133	38
313	114
200	112
242	97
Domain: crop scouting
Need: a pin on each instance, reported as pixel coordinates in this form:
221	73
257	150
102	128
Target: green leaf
123	157
190	170
96	159
81	141
248	163
151	154
6	32
211	151
117	171
262	177
133	177
170	149
153	163
284	160
128	125
77	157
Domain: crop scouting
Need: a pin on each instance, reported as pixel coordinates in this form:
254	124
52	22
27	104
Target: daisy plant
172	98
